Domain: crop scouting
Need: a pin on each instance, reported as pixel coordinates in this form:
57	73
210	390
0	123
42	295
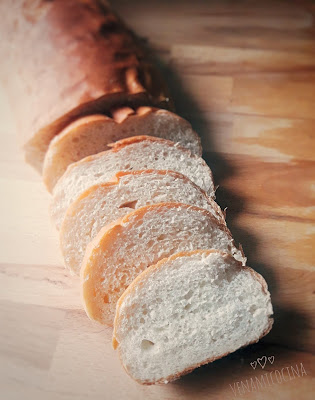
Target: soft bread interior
130	154
188	310
121	251
92	134
104	203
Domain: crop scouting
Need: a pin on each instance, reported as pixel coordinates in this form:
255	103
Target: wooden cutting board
244	74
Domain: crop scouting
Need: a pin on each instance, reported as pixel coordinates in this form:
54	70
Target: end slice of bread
124	249
188	310
136	153
92	134
105	202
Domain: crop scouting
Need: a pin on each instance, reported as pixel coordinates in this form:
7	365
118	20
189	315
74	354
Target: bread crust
90	54
76	140
143	276
119	144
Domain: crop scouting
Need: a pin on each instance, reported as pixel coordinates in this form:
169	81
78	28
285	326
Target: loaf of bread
127	247
92	134
131	194
188	310
136	153
104	203
64	59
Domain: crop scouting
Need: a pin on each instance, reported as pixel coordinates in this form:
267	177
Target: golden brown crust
121	113
143	276
89	54
145	109
136	139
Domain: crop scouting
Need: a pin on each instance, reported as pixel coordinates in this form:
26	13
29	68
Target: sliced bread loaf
92	134
136	153
121	251
106	202
188	310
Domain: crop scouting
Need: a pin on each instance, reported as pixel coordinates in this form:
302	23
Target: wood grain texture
243	73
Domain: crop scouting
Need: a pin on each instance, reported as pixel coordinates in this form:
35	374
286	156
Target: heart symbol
262	361
271	359
253	364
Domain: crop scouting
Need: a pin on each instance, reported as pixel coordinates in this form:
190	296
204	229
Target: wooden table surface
243	72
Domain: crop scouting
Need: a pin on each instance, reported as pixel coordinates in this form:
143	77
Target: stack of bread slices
132	198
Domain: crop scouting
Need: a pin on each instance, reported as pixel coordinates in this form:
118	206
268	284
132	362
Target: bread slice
92	134
136	153
188	310
123	250
104	203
